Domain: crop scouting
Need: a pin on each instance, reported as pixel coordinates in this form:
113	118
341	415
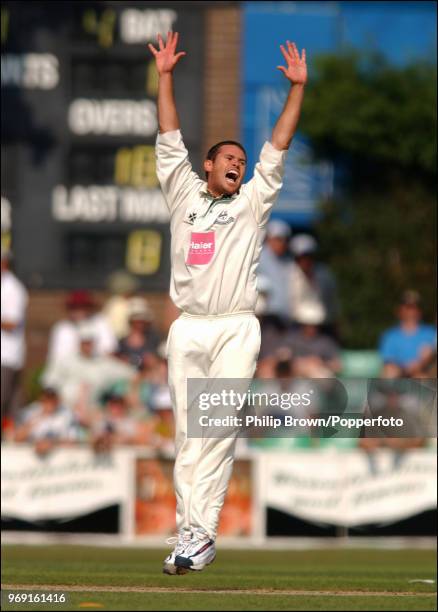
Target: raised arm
166	59
296	73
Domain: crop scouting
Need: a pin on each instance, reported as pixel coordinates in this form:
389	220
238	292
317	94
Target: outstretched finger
160	42
179	55
282	68
290	49
175	40
286	54
152	49
293	50
303	56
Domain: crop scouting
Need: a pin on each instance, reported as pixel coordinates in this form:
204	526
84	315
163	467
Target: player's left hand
296	70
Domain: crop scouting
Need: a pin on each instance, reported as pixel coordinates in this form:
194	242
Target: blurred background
346	278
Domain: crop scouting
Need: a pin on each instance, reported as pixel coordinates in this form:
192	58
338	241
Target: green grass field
131	579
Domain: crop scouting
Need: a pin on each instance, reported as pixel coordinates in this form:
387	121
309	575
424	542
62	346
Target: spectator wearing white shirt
14	301
316	354
86	372
311	283
64	336
48	423
275	265
123	287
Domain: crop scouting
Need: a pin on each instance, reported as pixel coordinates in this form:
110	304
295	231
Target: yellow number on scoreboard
143	252
152	79
102	27
4	24
136	167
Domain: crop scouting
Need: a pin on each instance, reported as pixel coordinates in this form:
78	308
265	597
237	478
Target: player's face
226	170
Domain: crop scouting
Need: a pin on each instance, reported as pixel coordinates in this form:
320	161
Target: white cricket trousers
223	346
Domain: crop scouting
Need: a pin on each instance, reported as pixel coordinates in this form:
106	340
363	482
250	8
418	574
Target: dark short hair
214	150
49	392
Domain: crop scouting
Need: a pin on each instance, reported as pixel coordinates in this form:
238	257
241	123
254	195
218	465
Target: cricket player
217	229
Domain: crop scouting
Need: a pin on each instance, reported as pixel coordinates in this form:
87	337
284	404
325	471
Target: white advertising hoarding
350	488
66	483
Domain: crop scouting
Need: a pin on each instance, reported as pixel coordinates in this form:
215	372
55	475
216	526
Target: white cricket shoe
181	541
198	554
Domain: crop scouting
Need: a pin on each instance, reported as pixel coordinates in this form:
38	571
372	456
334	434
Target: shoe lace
180	540
198	537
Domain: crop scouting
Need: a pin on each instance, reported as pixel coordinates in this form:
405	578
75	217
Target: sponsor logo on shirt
202	248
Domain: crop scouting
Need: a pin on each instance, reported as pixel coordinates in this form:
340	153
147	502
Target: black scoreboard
80	197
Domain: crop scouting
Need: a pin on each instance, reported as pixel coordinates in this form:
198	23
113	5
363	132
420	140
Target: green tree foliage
372	112
378	123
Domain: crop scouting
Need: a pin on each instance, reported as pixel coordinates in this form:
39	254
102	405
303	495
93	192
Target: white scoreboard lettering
79	125
95	203
142	26
30	70
112	117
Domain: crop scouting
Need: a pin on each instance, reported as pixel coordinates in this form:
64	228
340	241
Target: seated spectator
118	426
272	328
13	348
87	369
409	348
123	287
412	406
312	283
164	430
142	337
148	396
48	423
316	354
263	289
284	383
64	336
275	265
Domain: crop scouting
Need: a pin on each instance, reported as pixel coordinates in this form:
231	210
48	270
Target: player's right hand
166	56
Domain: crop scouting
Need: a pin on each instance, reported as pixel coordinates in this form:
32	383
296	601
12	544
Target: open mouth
232	177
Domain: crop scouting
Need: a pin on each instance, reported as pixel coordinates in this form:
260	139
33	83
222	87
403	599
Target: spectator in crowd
142	386
409	348
411	405
142	337
123	287
86	371
118	426
13	304
316	354
264	289
64	336
161	404
311	282
272	329
275	265
282	384
48	423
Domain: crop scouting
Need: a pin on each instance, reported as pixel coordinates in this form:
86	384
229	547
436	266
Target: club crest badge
223	218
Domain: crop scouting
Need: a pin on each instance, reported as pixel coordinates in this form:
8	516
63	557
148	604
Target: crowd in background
104	381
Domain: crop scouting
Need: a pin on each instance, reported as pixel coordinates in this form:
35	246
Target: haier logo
202	248
201	245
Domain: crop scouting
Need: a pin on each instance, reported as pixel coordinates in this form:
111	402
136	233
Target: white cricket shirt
216	242
14	300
